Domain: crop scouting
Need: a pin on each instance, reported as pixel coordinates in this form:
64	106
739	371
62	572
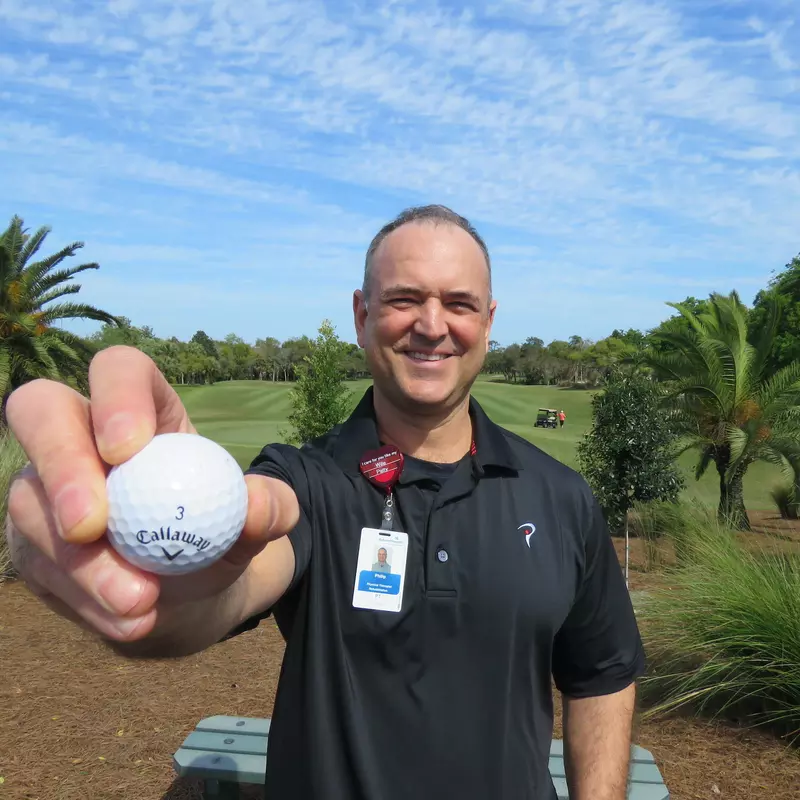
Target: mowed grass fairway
243	416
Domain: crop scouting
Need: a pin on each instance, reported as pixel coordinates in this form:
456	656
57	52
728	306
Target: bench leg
220	790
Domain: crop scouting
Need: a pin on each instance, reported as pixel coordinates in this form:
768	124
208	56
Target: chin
423	393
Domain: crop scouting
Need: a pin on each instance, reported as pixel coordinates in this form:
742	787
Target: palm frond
764	339
47	282
14	238
6	267
34	274
739	441
5	371
76	311
781	392
31	247
706	457
694	320
54	294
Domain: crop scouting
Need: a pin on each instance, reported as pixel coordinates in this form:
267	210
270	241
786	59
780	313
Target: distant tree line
206	360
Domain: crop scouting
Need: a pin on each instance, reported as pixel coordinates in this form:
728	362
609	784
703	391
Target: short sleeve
284	463
598	649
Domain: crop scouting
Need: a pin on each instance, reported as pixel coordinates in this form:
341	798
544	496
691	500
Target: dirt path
81	723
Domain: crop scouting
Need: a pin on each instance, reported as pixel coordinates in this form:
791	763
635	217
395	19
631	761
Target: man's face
426	330
381	556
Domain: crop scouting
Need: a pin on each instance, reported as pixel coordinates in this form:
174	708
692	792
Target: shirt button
442	555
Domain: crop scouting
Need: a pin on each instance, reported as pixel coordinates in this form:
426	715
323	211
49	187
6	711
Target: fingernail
125	627
74	504
118	431
119	594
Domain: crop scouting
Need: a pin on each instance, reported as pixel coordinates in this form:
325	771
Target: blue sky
228	162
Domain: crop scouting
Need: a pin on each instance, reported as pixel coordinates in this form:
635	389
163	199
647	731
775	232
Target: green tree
319	398
31	343
677	323
784	289
724	401
628	456
121	332
206	342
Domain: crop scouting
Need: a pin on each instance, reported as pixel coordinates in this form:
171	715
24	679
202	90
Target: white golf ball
176	506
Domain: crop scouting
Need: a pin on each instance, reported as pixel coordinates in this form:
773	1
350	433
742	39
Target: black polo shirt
511	578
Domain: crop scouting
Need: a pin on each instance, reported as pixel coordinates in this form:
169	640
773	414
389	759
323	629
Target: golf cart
546	418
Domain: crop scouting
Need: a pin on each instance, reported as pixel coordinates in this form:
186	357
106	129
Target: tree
784	288
628	456
31	346
319	398
206	342
677	323
723	400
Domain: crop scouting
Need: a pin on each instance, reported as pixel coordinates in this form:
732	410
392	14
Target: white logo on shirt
529	529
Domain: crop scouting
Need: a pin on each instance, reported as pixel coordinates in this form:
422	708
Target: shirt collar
359	433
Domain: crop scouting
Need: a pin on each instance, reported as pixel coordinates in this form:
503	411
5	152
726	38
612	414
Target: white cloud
656	140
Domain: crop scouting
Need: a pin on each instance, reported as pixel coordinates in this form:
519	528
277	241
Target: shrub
725	635
319	398
628	455
786	499
12	459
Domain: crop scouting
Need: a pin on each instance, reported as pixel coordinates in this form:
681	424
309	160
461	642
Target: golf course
243	416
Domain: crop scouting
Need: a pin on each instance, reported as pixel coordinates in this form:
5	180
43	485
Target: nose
431	322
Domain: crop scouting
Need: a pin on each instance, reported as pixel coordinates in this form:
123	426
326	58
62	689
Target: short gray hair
434	214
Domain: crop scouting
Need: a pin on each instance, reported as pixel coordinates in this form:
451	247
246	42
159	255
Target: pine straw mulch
80	722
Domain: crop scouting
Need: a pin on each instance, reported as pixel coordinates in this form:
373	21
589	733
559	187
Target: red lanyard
383	468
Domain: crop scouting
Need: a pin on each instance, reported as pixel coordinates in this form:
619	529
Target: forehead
432	257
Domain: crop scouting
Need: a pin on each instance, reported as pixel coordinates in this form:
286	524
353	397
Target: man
562	418
381	565
435	682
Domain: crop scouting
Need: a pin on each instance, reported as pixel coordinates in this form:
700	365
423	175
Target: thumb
272	511
131	401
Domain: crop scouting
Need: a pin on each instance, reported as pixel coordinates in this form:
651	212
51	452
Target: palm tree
723	400
30	346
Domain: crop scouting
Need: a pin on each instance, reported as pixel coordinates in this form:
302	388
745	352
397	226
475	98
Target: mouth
426	358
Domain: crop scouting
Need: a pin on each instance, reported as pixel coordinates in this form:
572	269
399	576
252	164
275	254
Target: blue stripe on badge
379	582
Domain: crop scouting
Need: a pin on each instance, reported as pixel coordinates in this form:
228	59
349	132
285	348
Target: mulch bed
80	722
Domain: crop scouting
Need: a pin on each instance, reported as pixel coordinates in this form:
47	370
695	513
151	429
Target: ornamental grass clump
724	637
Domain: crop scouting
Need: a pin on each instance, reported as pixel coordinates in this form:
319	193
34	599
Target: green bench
226	752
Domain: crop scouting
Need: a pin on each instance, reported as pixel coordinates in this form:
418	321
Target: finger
52	423
67	599
119	587
272	511
131	402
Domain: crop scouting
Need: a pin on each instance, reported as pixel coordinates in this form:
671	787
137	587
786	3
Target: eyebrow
399	290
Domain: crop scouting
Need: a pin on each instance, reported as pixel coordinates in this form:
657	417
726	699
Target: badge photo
381	569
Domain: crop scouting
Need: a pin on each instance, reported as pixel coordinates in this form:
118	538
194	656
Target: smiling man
432	680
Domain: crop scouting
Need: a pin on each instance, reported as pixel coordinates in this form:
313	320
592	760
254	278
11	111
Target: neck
443	439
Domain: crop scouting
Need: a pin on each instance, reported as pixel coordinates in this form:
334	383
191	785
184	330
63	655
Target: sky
227	163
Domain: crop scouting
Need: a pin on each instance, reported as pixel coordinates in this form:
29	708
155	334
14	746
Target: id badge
381	570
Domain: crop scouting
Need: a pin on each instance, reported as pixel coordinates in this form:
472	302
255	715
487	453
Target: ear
359	315
492	307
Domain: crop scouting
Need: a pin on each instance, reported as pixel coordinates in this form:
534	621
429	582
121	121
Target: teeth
428	356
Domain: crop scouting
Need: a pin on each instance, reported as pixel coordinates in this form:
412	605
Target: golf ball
176	506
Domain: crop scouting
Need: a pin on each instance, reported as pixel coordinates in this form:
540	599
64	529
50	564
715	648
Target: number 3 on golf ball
177	506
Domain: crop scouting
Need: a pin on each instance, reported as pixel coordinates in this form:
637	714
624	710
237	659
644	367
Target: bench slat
236	767
227	724
227	743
